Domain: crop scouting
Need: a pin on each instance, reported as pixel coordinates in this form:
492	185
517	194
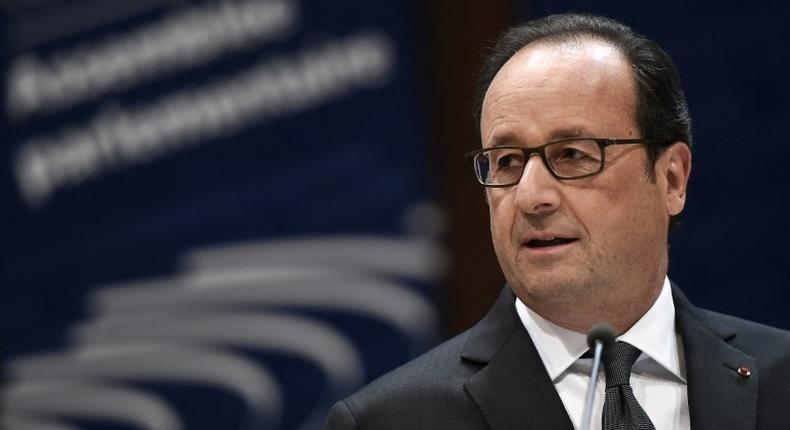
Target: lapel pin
744	371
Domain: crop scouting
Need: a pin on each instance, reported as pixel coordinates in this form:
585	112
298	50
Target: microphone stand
590	396
600	336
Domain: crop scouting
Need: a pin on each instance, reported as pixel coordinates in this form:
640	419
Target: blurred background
230	214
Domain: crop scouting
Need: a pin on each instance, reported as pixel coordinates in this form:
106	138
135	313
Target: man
585	158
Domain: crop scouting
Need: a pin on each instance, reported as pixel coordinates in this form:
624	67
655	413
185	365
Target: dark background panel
350	166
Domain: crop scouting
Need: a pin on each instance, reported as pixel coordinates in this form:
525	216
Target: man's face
614	224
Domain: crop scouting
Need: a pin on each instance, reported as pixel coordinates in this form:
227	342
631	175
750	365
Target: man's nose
537	192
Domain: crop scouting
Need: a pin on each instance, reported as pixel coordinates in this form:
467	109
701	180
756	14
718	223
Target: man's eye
510	160
571	154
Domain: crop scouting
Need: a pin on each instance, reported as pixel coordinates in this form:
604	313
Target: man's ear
677	170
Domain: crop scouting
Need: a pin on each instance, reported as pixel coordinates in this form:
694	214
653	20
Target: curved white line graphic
310	339
184	328
163	361
89	400
15	421
419	259
303	287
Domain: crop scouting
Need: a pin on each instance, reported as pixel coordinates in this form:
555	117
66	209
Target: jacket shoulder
418	394
429	392
439	369
767	344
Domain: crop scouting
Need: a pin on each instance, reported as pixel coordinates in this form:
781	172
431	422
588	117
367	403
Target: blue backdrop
216	213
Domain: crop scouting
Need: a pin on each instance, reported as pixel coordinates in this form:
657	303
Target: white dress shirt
658	377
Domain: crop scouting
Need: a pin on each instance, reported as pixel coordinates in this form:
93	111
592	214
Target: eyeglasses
572	158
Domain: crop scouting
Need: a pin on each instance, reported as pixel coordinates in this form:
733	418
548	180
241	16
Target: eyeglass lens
567	159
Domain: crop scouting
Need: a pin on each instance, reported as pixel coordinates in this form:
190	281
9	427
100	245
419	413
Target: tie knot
618	359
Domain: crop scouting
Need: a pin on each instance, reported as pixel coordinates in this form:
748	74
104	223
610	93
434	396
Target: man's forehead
544	61
564	77
573	50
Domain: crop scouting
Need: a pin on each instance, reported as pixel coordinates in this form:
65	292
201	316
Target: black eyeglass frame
602	142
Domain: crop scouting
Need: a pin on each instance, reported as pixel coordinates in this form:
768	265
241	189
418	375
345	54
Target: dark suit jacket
492	377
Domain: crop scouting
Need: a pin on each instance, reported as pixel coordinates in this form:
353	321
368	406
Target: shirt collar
654	334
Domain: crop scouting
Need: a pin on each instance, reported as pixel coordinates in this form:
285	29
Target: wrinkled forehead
590	61
559	75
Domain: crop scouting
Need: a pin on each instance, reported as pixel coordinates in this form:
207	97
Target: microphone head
600	332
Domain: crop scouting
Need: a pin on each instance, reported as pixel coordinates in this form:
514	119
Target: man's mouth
552	241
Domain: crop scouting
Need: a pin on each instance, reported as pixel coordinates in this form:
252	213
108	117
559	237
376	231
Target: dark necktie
621	411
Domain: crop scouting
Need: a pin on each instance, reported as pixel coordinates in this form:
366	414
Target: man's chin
564	291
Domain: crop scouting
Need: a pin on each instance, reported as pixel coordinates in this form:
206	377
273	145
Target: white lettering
120	135
186	38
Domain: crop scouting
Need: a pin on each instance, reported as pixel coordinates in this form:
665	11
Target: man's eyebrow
565	133
561	133
502	140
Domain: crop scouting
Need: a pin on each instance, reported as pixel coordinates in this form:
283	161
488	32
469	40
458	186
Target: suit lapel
513	389
718	396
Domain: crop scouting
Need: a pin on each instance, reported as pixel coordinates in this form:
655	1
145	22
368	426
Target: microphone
599	337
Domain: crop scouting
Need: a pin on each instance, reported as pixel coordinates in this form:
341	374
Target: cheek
606	212
501	211
625	217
